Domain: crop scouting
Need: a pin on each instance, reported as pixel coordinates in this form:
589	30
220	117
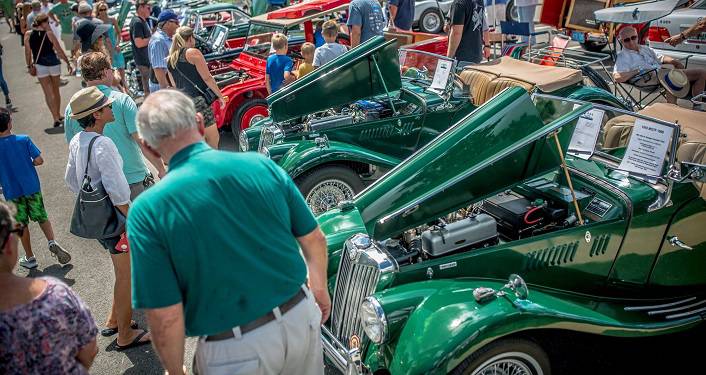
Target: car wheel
431	21
250	112
506	356
324	188
511	12
591	46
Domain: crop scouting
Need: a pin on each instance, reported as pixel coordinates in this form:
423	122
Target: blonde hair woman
189	72
100	11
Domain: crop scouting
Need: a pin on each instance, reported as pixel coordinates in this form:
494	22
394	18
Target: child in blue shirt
279	66
20	186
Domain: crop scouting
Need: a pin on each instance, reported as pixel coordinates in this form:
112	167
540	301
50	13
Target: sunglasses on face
630	38
17	231
103	10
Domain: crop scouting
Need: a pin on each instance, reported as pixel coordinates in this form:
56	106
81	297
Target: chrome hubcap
431	21
255	119
328	194
509	364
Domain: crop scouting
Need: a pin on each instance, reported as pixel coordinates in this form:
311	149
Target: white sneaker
29	263
56	250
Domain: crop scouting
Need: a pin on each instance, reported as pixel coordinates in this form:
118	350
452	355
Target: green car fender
595	95
432	326
309	154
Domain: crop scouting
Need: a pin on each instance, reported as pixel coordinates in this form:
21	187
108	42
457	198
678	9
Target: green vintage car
600	212
346	123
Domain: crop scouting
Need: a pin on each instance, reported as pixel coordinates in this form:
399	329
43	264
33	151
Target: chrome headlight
373	318
243	141
265	151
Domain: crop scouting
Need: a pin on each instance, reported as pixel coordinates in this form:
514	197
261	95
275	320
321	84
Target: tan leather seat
616	132
484	85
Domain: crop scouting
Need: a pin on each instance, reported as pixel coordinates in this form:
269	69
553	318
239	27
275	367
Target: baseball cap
84	7
167	15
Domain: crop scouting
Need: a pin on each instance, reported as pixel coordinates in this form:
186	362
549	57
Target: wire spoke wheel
328	194
512	363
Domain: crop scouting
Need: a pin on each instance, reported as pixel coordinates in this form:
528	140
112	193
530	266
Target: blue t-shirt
368	15
276	66
18	176
405	13
119	131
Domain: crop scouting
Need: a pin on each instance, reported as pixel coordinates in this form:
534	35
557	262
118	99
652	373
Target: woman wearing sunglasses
45	328
116	55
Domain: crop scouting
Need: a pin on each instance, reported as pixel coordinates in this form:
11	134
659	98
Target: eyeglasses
630	38
103	10
18	232
109	106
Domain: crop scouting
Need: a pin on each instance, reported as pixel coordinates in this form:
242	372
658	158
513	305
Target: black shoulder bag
95	216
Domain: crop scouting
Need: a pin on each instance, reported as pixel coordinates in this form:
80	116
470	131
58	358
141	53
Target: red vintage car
247	104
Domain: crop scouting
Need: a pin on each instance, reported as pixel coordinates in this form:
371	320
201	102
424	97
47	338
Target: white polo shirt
629	60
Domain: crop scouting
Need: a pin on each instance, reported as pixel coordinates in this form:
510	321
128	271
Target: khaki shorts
68	40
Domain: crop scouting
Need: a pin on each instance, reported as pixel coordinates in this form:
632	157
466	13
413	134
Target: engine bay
539	206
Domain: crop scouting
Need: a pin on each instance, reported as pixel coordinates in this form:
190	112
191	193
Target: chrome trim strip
641	308
699	303
682	315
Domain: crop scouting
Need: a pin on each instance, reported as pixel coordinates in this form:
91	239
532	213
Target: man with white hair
215	253
636	60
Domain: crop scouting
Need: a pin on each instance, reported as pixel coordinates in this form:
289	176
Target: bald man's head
628	37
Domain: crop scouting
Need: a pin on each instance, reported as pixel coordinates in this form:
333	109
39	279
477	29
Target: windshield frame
423	82
275	29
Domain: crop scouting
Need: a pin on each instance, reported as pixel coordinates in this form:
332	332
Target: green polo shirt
63	12
218	234
119	131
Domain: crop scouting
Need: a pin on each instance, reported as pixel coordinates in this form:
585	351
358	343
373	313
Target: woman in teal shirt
118	60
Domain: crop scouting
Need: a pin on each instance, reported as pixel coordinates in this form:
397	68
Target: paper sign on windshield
441	75
647	148
583	141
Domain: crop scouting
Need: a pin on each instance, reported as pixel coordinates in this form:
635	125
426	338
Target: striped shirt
158	49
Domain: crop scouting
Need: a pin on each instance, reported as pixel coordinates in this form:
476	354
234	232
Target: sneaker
56	250
29	263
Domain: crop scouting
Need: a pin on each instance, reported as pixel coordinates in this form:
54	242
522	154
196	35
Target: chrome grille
269	135
359	271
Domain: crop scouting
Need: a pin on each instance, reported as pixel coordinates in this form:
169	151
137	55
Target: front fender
597	95
307	154
435	325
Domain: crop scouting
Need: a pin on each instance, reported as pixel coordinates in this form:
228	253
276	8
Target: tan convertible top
545	78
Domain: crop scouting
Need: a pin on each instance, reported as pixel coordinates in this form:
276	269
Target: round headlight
373	318
265	151
243	141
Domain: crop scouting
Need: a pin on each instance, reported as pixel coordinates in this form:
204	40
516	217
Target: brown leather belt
261	321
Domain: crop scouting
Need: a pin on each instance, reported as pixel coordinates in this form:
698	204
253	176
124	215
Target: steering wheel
203	45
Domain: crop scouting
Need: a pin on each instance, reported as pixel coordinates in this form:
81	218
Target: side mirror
518	286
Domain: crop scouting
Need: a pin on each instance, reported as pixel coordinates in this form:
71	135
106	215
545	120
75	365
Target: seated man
635	59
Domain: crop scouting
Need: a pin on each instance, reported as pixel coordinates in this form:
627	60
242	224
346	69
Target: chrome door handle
675	241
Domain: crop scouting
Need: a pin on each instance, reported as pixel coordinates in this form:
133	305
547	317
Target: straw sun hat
87	101
675	81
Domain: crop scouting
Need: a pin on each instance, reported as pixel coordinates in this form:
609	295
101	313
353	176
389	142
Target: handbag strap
176	67
39	51
88	160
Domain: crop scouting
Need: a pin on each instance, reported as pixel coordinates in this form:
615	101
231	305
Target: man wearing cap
140	33
634	63
36	10
160	43
92	110
252	301
96	71
62	14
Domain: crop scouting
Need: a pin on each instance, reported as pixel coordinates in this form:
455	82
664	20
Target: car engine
505	217
228	78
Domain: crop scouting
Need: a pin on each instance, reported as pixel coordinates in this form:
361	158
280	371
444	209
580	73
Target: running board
674	310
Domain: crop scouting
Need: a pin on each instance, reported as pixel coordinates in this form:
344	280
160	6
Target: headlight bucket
243	143
373	319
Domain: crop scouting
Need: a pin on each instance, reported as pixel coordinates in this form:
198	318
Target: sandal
106	332
57	124
135	343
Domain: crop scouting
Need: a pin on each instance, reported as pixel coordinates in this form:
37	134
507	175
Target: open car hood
638	13
352	76
498	145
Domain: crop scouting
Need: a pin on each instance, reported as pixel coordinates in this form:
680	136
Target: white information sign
441	75
647	148
583	141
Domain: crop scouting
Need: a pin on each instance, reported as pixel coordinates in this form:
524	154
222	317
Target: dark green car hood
499	144
350	77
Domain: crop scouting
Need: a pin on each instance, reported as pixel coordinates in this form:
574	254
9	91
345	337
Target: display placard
441	75
580	15
647	149
588	126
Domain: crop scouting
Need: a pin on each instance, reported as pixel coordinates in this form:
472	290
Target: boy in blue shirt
20	186
279	66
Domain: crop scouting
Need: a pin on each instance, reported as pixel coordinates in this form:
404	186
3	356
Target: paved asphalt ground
90	272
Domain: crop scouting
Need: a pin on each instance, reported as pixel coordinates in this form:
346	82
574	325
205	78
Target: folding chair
518	29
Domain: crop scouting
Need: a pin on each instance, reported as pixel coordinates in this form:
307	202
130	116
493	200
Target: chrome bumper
345	360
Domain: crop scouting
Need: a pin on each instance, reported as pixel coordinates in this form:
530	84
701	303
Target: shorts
109	244
46	71
30	207
205	110
68	40
118	61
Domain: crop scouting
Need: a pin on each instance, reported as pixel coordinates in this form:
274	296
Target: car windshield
623	141
429	69
259	39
